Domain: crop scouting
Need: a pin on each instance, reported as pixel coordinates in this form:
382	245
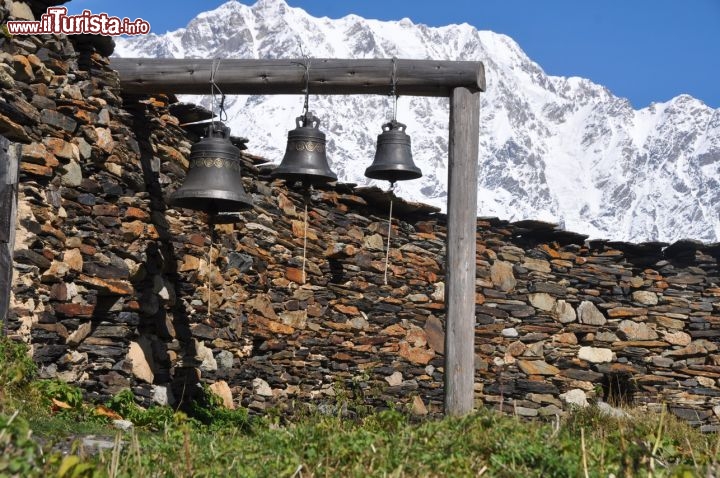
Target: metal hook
305	64
393	92
215	89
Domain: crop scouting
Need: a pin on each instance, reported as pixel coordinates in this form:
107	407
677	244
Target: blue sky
644	50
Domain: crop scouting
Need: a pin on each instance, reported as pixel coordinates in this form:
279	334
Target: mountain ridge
558	149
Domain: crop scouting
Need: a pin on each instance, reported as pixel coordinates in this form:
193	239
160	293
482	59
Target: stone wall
111	288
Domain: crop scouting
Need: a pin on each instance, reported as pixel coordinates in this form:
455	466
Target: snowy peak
560	149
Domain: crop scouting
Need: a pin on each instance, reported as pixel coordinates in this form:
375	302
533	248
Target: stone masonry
114	290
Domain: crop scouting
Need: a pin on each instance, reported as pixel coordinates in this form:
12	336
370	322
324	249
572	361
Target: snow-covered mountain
551	148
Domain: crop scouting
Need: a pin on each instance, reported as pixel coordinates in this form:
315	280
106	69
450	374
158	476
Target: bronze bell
305	159
213	183
393	157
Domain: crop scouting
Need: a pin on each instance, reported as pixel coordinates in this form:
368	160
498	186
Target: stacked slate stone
113	290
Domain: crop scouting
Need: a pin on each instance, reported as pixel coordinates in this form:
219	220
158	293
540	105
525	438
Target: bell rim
385	173
191	199
310	176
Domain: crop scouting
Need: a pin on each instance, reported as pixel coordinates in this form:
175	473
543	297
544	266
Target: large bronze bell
393	157
305	159
213	183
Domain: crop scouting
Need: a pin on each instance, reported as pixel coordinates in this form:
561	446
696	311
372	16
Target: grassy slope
228	444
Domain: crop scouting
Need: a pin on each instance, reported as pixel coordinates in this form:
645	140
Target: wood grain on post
274	77
8	211
461	249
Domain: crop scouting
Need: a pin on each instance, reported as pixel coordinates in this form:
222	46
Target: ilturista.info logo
57	21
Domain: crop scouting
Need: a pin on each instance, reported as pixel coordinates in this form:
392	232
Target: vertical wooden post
460	263
8	211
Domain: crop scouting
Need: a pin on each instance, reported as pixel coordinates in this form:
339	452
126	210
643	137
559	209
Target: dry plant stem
584	453
186	447
387	249
657	442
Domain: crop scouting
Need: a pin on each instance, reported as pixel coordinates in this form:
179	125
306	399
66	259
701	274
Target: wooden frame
461	81
8	212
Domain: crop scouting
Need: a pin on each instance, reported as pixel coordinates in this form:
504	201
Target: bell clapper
387	249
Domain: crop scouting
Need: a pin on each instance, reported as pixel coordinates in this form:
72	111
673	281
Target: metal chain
393	91
214	91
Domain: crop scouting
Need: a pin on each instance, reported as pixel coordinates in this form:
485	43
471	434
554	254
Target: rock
123	425
73	259
205	356
295	275
677	338
222	390
19	10
542	301
595	354
415	354
439	294
162	396
609	410
589	314
565	338
645	297
563	312
416	336
294	318
435	334
606	337
395	379
575	397
347	309
501	274
140	355
104	139
630	330
418	406
516	348
225	360
374	243
58	120
509	332
538	265
359	322
692	350
626	312
261	387
23	70
72	175
537	367
82	332
261	304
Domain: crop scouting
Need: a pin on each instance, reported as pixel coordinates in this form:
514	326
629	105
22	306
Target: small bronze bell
393	157
213	183
305	159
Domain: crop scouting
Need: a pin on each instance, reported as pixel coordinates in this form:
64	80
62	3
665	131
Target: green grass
210	441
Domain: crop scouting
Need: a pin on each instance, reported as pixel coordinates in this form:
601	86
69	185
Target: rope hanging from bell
387	249
305	160
393	156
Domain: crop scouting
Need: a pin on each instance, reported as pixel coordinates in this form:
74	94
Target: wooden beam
273	77
461	249
8	212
